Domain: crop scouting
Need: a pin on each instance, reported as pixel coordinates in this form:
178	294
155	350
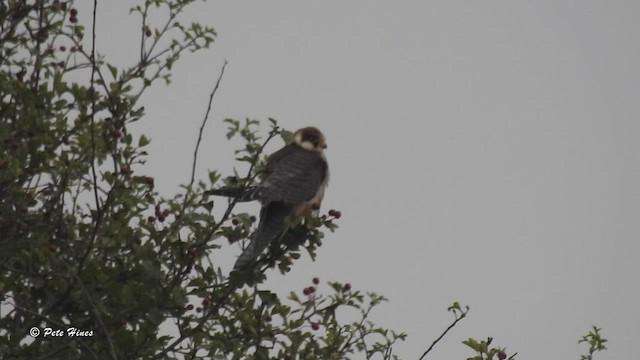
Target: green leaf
472	343
287	136
144	141
113	70
293	296
208	205
214	176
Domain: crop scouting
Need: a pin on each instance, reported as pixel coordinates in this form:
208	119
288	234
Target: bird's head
310	138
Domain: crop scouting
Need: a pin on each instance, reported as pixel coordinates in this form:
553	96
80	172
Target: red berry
347	287
73	19
306	291
63	48
41	35
315	326
502	355
189	307
151	219
73	12
316	280
335	213
192	251
235	221
148	180
166	212
147	33
116	133
199	309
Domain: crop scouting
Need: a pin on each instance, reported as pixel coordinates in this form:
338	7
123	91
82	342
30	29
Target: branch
455	308
204	123
93	110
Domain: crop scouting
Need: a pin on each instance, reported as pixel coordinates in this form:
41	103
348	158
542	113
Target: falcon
293	183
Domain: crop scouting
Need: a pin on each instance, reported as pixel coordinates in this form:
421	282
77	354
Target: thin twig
93	109
195	161
204	123
458	318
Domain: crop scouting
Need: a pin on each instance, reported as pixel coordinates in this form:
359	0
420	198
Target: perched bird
293	183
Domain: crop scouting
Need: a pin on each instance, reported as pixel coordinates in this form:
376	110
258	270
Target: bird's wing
240	194
294	175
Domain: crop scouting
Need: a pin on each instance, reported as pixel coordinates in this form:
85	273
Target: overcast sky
480	151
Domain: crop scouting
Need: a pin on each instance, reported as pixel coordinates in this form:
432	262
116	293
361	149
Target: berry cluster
73	16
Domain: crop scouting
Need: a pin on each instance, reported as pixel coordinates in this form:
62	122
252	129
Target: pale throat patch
307	145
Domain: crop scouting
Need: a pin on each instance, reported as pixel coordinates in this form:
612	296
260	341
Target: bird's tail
240	194
272	226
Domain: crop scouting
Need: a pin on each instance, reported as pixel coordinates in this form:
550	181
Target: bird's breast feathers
313	205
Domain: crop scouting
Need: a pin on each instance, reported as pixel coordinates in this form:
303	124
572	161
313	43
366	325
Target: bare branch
204	123
462	315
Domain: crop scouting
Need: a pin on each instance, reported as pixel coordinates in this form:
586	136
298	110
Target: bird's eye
311	138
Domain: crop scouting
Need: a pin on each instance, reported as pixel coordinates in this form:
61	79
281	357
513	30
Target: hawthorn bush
87	244
86	241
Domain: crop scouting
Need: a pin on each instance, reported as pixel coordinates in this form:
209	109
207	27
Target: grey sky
480	151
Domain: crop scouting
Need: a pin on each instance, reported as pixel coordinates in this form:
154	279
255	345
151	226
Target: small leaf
213	176
143	141
472	343
113	70
287	136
